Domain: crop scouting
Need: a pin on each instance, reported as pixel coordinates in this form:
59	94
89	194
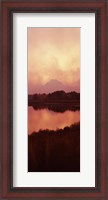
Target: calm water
45	119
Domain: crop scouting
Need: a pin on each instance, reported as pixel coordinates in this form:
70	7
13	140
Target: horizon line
53	92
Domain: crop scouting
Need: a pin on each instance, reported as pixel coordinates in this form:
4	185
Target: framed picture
53	102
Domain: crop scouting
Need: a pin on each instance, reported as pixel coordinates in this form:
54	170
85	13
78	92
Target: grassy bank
54	151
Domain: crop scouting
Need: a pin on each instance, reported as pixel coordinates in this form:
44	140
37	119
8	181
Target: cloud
53	53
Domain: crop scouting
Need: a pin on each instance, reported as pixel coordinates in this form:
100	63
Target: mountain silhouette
53	85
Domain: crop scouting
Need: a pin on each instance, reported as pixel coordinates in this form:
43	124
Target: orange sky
53	53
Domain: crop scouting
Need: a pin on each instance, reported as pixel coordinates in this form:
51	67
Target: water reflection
45	119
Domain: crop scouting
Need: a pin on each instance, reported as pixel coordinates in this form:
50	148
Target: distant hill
51	86
54	85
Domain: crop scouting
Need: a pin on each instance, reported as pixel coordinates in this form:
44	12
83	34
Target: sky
53	53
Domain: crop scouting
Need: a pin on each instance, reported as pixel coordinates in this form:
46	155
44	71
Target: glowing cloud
53	53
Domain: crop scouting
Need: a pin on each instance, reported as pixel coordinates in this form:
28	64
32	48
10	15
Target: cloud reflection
45	119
